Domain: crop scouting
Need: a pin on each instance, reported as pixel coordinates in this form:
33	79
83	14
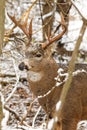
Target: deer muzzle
24	66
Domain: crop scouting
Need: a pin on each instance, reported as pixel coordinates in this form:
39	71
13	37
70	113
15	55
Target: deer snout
22	66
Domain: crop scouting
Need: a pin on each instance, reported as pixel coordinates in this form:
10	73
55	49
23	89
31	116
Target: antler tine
23	21
17	23
30	32
55	38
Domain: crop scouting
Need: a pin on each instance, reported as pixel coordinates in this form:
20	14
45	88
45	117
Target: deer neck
43	80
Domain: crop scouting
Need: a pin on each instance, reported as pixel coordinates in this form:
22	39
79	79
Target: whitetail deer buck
41	76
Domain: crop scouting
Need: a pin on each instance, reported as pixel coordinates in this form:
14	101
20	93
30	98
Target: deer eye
38	55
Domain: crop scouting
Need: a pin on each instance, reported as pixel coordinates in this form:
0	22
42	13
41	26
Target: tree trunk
2	19
64	7
1	113
48	17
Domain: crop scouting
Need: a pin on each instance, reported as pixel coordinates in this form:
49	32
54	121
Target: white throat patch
34	76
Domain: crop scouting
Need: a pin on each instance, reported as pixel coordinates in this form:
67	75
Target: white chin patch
34	76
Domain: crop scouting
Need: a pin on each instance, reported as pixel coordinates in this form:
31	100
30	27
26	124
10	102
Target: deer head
38	50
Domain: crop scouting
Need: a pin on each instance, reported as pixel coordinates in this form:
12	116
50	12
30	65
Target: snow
79	71
58	105
49	14
50	124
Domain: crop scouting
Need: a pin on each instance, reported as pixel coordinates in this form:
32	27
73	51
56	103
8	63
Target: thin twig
41	12
16	115
24	117
36	116
13	112
5	112
7	75
17	80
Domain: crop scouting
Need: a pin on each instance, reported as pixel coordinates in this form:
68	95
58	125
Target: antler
28	32
55	38
23	21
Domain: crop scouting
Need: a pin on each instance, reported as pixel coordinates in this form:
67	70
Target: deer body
41	76
75	107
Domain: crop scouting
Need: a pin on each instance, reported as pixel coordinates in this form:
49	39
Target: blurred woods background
20	108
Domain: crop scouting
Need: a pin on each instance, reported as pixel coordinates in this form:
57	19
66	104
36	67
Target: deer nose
23	66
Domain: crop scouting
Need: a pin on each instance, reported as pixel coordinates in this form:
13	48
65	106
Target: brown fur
75	107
